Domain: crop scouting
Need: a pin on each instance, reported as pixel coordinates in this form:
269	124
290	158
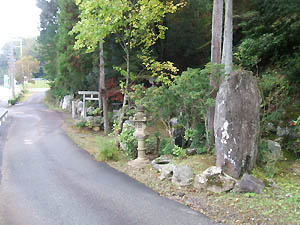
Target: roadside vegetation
42	83
157	54
280	198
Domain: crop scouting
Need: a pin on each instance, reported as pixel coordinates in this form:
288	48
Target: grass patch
50	101
107	151
37	84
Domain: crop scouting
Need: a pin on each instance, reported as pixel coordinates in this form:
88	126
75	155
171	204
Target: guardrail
3	115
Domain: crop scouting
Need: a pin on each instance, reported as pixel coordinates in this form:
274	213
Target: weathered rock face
249	183
191	151
182	175
213	179
167	171
287	132
236	125
274	148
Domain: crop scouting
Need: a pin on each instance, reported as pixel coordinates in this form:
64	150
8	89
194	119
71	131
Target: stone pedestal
141	161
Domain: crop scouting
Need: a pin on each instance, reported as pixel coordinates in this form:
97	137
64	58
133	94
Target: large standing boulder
236	125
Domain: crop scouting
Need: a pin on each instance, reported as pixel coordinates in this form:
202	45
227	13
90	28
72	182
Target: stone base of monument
139	163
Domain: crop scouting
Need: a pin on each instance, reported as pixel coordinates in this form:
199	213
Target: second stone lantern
140	134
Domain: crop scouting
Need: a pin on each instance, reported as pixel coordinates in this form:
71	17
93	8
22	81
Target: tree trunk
217	27
122	115
102	89
228	36
216	50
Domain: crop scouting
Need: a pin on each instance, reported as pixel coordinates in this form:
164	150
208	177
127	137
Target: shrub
293	68
128	141
81	124
178	152
166	147
266	160
275	94
15	100
196	137
151	143
107	149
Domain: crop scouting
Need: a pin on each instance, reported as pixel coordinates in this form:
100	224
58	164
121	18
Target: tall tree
217	30
25	67
72	65
102	89
216	56
228	37
135	24
48	36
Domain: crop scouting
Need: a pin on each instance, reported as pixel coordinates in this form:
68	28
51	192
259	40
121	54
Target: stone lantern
140	134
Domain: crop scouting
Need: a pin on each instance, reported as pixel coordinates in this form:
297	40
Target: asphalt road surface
48	180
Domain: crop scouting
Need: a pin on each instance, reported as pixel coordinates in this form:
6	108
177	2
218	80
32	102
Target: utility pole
12	63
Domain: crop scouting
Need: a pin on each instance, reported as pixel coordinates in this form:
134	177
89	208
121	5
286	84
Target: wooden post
73	109
84	110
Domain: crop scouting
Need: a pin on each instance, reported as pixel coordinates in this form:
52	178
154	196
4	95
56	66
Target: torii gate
89	95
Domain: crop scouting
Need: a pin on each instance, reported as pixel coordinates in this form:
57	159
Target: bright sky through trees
18	18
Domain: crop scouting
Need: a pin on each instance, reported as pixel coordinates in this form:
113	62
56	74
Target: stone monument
237	123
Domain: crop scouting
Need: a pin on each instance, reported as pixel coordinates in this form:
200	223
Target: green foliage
72	65
151	143
128	141
193	90
178	152
275	95
166	147
163	72
293	67
48	36
297	123
81	124
95	112
196	138
187	98
14	100
107	150
136	23
266	160
89	124
270	36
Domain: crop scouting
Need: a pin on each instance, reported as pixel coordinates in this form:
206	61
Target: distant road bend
48	180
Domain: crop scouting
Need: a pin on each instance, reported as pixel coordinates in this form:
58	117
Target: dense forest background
265	41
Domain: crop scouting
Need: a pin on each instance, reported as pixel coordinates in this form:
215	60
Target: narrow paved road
48	180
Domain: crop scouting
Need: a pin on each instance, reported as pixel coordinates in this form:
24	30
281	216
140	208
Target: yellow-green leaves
136	23
164	72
